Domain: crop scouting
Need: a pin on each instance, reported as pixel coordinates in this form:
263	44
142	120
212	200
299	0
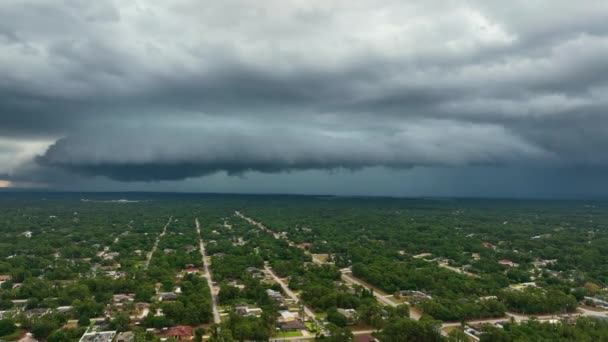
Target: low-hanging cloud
162	153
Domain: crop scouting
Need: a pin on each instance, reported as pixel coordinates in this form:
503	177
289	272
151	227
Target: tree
405	329
198	334
494	335
458	335
43	327
339	334
6	304
144	293
65	335
228	293
84	321
333	316
120	322
6	327
371	313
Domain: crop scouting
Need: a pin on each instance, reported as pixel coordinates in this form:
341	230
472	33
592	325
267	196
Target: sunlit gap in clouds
10	184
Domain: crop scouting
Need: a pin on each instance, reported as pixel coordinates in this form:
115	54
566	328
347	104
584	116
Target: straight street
150	253
294	297
216	312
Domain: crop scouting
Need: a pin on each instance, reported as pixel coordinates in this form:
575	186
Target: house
292	326
101	336
167	296
597	302
180	333
126	336
288	316
274	295
191	270
37	312
244	310
350	314
520	287
414	294
110	255
123	298
4	277
241	308
304	245
507	262
64	309
489	245
538	263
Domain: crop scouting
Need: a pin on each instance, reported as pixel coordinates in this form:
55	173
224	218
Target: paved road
216	312
415	314
294	297
348	278
379	297
150	253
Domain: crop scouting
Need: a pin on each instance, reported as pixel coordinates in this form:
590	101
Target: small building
4	277
180	333
192	270
37	312
522	286
126	336
64	309
414	294
350	314
538	263
597	302
274	295
100	336
292	326
507	262
123	297
167	296
288	316
304	245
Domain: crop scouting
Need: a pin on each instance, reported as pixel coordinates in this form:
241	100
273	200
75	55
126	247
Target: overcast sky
408	98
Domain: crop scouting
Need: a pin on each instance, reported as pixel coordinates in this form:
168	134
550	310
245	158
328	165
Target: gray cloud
169	153
135	91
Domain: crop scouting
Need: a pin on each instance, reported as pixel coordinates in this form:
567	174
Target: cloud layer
136	91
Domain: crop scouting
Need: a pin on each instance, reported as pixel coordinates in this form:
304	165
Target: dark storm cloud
138	91
169	153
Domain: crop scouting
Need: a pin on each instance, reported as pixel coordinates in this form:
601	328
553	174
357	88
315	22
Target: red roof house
180	333
507	262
